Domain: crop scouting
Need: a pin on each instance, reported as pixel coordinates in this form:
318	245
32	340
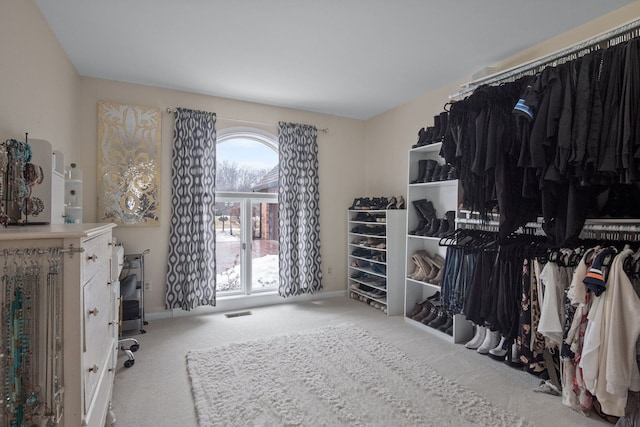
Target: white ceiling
352	58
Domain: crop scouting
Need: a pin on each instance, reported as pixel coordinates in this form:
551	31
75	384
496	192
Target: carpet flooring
156	391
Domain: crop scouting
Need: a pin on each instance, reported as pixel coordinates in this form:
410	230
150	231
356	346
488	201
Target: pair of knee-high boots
427	268
430	170
430	225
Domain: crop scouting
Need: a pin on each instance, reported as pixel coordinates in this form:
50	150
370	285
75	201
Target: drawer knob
94	312
93	369
93	258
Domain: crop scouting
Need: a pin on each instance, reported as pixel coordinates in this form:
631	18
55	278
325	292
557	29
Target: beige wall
340	155
38	84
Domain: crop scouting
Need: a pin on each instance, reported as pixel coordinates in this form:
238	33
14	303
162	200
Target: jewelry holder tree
20	176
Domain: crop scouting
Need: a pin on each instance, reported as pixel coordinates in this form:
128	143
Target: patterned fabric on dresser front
299	210
191	276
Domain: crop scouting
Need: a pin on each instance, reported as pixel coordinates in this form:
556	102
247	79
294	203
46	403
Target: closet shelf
427	284
368	260
368	271
447	183
428	148
372	248
413	236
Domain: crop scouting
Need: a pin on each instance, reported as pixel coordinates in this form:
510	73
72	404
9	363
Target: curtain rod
171	111
616	35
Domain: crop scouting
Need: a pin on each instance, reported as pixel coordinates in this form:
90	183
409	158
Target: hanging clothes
608	362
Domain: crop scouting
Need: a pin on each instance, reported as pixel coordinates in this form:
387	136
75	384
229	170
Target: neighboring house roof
269	181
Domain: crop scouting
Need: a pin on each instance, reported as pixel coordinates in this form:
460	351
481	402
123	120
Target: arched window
246	160
246	212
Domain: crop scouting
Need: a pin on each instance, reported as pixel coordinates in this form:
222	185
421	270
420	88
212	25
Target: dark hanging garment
609	136
630	114
582	112
565	137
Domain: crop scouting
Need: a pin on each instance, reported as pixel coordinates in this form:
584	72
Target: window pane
264	253
242	163
228	247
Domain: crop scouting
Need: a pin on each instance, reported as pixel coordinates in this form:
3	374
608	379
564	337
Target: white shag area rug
331	376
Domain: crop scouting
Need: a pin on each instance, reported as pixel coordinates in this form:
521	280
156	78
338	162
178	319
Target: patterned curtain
191	280
299	210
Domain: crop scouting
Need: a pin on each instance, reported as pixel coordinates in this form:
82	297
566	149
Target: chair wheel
134	347
129	363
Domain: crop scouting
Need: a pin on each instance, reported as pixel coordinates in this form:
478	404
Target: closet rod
615	36
615	225
171	111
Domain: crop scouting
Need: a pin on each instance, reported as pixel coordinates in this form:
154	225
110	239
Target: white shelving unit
445	196
73	198
375	273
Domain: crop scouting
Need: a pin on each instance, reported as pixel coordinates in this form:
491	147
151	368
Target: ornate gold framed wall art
128	164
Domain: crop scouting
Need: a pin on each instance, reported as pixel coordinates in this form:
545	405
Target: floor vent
238	314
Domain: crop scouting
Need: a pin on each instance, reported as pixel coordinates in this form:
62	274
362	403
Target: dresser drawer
98	337
96	409
97	253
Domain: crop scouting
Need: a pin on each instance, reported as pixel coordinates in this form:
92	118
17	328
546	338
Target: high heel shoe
401	203
392	203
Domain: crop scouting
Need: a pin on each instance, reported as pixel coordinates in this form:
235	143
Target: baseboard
243	302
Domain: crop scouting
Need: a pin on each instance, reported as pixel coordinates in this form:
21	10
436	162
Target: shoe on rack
449	330
435	176
422	171
401	204
431	317
420	142
392	203
444	229
453	174
436	129
444	124
434	297
477	339
440	320
447	324
433	230
356	204
420	273
437	280
417	308
423	223
444	172
430	169
425	209
420	257
426	310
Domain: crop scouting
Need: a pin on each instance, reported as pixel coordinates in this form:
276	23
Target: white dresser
90	313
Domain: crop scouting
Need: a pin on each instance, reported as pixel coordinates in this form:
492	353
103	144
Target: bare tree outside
232	177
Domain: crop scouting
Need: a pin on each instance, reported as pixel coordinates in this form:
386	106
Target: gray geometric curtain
298	210
191	279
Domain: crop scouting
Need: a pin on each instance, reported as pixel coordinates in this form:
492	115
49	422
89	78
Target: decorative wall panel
128	164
